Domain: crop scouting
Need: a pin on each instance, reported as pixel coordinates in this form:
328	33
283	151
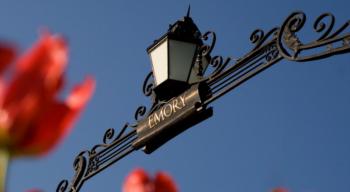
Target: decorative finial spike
188	11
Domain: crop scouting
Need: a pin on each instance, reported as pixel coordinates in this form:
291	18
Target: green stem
4	158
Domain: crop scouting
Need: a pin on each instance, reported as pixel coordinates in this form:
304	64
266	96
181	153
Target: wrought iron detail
278	43
148	85
101	156
258	37
331	43
269	48
206	49
140	112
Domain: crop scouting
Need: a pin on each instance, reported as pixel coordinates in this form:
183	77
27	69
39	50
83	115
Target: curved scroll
258	37
148	85
81	168
328	44
89	163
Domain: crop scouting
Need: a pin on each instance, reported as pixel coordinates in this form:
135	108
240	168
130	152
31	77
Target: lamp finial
188	11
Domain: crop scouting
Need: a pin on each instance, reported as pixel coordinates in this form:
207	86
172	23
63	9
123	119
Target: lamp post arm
89	163
279	43
243	70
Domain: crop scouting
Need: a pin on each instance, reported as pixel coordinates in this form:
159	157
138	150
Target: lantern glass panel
180	59
159	58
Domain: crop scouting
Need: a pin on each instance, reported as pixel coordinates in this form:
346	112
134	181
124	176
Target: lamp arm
279	43
89	163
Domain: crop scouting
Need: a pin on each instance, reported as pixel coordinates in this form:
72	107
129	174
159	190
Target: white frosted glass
181	58
159	57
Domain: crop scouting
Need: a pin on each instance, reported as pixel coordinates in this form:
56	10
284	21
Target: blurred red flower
32	118
279	189
139	181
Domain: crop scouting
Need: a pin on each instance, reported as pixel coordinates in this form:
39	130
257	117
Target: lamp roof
184	30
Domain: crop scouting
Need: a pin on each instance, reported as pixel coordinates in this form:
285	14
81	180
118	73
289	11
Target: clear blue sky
289	126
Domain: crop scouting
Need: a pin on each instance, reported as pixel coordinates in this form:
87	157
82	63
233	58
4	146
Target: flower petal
48	56
164	183
138	181
55	122
7	55
37	79
279	189
81	93
39	72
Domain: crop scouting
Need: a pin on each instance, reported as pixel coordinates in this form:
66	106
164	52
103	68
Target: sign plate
172	118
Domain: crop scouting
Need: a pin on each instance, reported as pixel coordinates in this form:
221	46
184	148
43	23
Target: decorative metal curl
109	134
80	167
271	53
80	164
219	64
89	163
287	35
140	112
148	85
320	26
258	36
109	138
62	186
340	30
206	49
288	40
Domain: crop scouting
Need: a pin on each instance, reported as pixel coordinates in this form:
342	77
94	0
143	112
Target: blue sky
289	126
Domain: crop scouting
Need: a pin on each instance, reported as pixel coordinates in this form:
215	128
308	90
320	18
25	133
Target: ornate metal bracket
277	44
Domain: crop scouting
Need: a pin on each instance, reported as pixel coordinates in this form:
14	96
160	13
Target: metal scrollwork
271	53
140	112
80	167
278	43
206	49
62	186
108	136
331	43
288	37
320	26
258	36
217	62
147	88
89	163
148	85
269	48
204	52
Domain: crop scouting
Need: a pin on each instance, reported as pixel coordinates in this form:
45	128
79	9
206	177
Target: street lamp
181	93
174	59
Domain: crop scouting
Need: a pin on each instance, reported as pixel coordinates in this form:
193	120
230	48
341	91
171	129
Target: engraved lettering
176	106
166	111
150	120
158	117
183	101
169	112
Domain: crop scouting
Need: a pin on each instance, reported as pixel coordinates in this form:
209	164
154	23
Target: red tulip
279	189
139	181
32	117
